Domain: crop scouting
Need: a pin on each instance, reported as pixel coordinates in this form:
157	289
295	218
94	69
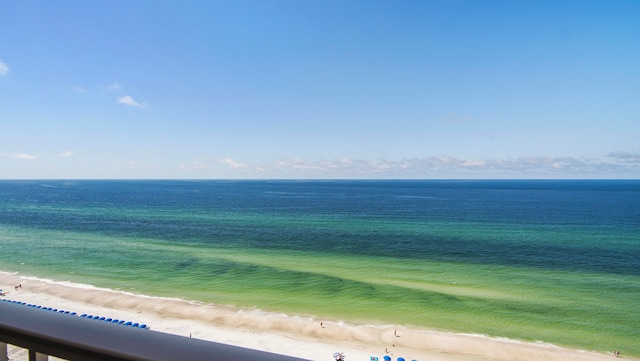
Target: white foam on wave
88	287
262	313
505	339
85	286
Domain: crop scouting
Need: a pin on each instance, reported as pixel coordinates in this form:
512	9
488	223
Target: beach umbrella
400	358
387	358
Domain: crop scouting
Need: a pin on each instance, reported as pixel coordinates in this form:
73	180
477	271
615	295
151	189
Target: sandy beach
303	337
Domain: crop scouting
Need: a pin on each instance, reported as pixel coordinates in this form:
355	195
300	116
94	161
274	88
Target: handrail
80	339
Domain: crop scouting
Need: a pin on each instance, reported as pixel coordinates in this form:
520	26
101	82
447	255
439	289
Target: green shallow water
579	310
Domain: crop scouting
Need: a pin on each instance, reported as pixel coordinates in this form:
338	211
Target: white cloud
232	164
18	155
129	101
79	89
626	157
469	163
24	156
4	68
66	154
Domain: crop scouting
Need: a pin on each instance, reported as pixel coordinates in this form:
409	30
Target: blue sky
319	89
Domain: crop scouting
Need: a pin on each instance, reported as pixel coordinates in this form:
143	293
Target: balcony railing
46	333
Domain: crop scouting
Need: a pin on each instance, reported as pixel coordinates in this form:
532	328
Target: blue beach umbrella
387	358
400	358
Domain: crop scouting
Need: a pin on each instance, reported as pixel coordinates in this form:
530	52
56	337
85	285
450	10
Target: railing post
35	356
4	355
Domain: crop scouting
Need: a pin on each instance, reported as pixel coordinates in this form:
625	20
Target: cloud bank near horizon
433	166
614	165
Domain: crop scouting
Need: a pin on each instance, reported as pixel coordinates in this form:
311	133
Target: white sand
293	336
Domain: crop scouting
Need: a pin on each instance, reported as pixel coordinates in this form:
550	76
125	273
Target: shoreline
302	337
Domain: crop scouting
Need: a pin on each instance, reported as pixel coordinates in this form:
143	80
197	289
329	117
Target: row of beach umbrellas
84	315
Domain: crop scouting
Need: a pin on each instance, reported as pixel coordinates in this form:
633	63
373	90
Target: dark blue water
592	209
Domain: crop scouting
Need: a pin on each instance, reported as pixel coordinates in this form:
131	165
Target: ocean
553	261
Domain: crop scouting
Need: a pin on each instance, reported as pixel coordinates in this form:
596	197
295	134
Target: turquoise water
552	261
